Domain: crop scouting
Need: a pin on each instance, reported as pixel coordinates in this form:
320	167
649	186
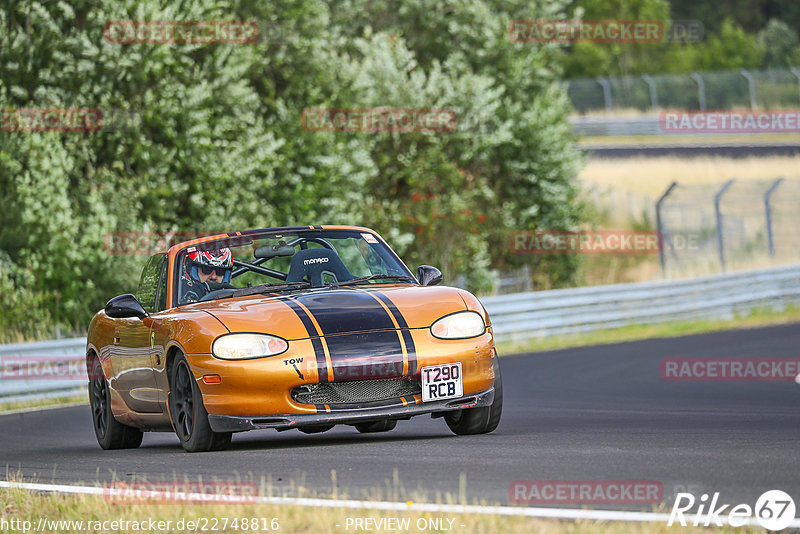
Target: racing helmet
219	259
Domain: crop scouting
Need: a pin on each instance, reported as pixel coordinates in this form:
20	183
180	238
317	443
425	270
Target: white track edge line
550	513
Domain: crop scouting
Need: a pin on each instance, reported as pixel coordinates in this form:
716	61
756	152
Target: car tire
188	414
479	420
110	433
384	425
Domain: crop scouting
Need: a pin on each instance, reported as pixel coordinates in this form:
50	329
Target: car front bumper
234	423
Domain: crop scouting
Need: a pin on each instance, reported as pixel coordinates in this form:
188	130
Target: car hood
300	315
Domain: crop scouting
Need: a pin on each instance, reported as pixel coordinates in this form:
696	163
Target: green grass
43	403
758	317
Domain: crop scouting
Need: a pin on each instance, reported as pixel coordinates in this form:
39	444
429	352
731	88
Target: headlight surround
459	325
248	346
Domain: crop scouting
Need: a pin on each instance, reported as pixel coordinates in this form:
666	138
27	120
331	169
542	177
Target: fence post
796	73
606	85
720	237
751	87
653	93
660	225
701	89
768	212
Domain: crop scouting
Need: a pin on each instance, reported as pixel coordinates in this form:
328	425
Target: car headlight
244	346
459	325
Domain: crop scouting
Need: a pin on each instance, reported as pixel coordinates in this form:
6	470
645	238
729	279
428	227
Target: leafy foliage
217	142
729	41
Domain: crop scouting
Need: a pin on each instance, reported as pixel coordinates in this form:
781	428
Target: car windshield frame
295	237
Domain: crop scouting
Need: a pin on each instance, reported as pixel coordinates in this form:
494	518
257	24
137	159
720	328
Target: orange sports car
298	327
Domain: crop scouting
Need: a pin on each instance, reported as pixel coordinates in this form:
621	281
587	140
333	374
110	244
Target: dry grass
30	506
652	176
623	193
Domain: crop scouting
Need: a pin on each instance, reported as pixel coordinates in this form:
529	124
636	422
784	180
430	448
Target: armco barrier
16	388
526	315
564	311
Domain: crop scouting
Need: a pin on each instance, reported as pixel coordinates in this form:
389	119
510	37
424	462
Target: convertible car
297	327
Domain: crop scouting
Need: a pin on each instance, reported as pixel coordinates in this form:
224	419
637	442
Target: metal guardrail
564	311
616	126
514	316
63	361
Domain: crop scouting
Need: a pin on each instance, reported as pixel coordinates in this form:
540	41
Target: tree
218	143
780	44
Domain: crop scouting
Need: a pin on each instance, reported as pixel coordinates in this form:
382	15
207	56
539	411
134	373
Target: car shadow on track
278	442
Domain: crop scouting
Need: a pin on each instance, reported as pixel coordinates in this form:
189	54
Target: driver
204	269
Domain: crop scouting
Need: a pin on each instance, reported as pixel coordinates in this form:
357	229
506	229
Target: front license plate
441	382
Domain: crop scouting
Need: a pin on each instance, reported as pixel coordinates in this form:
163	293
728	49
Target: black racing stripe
322	365
373	354
366	356
320	408
345	311
407	338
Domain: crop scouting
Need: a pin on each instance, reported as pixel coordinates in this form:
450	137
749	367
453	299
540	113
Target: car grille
355	391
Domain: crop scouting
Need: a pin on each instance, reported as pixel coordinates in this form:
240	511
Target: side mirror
428	276
125	306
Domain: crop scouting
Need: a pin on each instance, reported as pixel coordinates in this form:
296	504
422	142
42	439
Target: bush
217	143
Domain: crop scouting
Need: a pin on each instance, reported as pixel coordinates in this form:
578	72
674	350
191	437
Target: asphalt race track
593	413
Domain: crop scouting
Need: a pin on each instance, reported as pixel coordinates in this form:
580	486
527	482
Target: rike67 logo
774	510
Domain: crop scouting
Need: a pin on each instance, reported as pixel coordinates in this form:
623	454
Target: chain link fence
739	89
739	224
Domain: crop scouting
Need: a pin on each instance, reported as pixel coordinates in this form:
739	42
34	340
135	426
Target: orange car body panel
135	353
